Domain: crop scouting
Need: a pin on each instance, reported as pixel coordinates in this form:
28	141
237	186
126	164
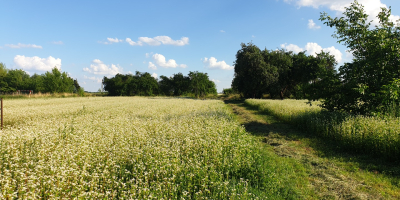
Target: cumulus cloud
312	25
154	75
36	63
158	40
212	63
99	68
371	7
98	80
292	47
58	42
349	56
162	62
19	45
129	41
314	48
215	81
222	31
152	66
112	40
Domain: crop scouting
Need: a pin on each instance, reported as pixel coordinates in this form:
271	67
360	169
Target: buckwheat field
130	148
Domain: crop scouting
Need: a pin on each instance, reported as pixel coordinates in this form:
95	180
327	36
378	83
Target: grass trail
332	173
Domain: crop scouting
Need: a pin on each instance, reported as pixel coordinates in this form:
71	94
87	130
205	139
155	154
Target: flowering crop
127	148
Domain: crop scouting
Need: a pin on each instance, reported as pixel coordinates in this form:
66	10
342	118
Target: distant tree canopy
143	84
55	81
280	73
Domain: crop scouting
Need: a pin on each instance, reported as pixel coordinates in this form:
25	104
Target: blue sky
93	39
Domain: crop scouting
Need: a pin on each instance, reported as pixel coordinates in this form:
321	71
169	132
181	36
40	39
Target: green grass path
332	173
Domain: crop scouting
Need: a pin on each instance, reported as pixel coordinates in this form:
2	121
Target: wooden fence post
1	113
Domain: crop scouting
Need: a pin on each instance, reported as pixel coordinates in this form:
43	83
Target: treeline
196	83
280	74
369	85
55	81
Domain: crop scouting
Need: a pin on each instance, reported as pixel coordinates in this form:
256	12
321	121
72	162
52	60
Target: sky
93	39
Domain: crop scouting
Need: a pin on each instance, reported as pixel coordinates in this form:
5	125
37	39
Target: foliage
252	74
81	92
228	91
375	64
201	85
143	84
177	85
55	81
373	135
280	73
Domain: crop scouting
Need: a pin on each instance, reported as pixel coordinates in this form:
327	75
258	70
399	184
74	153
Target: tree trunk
282	93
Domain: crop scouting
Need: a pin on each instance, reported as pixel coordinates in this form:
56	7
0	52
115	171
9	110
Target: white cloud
154	75
58	42
98	80
99	68
19	45
158	40
371	7
312	25
152	66
129	41
112	40
212	63
36	63
222	31
314	48
348	56
215	81
292	47
162	62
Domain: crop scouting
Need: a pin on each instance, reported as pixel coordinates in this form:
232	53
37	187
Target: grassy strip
331	172
373	135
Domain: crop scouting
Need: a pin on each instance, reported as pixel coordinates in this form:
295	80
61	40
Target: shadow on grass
324	147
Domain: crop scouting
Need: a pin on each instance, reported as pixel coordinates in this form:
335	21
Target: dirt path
331	175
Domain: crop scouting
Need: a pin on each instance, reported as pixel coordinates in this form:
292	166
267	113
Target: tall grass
134	148
374	135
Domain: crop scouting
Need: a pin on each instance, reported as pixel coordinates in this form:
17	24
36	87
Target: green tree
252	74
281	61
56	81
142	84
201	85
180	84
3	81
37	84
17	79
165	86
376	59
